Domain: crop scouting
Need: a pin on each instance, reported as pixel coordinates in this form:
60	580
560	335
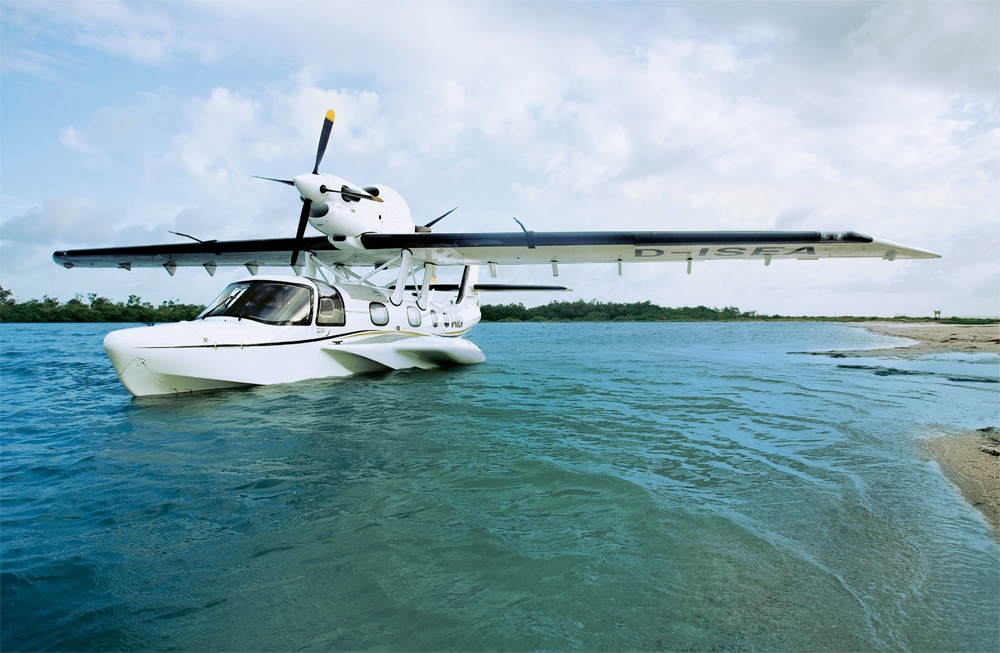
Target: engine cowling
339	210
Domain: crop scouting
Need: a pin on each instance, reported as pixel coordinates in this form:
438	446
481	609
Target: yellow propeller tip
330	115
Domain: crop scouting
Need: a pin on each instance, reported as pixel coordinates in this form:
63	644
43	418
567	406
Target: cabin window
270	302
413	316
379	313
331	306
446	319
434	319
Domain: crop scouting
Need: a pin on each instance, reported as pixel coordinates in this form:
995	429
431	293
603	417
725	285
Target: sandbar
932	338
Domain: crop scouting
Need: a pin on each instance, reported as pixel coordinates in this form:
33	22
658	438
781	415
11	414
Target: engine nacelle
340	208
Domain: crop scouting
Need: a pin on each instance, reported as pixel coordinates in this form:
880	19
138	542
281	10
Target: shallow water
589	487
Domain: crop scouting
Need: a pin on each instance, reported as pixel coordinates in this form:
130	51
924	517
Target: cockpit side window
331	306
280	303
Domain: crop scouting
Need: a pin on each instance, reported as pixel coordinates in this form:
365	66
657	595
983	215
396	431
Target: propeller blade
324	138
303	221
287	182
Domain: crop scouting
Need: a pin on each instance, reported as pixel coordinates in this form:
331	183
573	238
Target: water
590	487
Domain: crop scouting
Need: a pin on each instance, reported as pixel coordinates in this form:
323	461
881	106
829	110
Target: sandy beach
971	461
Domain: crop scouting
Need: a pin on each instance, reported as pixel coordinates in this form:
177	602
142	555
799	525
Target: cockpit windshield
270	302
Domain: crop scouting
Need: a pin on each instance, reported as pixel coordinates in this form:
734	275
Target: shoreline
971	461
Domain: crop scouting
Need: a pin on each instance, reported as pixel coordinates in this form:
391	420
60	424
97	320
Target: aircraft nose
309	187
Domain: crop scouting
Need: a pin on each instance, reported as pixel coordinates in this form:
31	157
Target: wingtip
894	250
916	252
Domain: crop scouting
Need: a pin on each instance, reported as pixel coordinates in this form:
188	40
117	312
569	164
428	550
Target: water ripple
594	487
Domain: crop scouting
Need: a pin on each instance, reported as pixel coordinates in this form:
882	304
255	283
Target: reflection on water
593	487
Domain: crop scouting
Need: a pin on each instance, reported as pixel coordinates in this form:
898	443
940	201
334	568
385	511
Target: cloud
954	44
76	141
84	217
876	118
33	63
220	128
142	32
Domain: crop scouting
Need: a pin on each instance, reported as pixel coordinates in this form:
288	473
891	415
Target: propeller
324	138
347	193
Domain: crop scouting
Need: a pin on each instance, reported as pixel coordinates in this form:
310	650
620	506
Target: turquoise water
589	487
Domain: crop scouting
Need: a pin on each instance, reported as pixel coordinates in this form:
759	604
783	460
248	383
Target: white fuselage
280	329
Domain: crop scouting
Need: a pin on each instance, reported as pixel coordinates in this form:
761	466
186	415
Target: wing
515	248
271	252
637	246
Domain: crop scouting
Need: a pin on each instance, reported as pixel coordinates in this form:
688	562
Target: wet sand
972	460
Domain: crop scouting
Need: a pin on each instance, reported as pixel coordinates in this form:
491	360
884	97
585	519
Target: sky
123	121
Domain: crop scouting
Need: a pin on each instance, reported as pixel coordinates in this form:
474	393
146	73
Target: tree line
595	311
92	309
102	309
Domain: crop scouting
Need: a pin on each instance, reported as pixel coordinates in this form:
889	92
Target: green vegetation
594	311
580	311
967	320
94	309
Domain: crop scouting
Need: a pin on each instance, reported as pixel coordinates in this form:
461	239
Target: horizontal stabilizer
496	287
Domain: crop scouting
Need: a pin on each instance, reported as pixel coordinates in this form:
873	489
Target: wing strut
404	271
429	272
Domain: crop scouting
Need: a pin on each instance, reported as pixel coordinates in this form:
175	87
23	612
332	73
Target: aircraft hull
192	357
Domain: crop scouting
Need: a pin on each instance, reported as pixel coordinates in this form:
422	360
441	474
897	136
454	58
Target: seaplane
337	315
